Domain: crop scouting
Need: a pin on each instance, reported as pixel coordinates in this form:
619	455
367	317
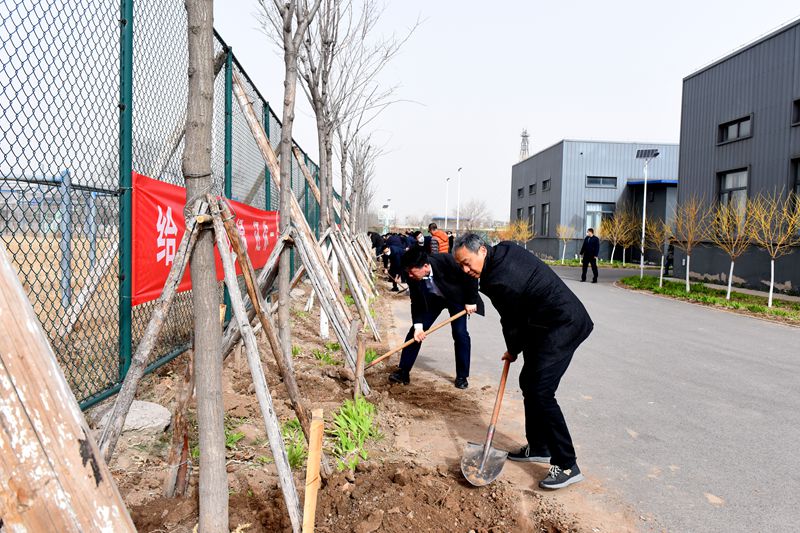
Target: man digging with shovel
435	283
545	321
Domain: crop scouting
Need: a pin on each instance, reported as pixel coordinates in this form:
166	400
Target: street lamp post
458	202
386	216
446	198
648	155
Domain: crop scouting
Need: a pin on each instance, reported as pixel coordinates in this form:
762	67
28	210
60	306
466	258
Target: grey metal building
740	136
577	183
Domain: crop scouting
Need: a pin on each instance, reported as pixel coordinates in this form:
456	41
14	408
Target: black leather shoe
462	383
400	376
594	281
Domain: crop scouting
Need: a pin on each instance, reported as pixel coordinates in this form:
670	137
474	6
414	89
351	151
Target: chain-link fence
85	100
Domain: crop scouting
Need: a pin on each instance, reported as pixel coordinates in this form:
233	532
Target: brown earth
411	480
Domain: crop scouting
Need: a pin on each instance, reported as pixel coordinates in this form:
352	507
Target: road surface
691	415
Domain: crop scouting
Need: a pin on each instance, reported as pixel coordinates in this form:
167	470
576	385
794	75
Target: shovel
481	464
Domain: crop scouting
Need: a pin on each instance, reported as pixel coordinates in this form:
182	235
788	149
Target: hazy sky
483	71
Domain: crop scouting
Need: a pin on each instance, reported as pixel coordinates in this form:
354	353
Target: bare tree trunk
205	299
289	97
730	281
325	188
688	260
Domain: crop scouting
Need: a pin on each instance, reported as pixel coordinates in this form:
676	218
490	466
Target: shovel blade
471	464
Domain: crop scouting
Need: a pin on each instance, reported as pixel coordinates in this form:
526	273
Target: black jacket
458	288
591	247
537	310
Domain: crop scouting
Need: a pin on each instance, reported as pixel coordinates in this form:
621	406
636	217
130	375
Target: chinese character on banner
242	233
265	235
167	230
257	235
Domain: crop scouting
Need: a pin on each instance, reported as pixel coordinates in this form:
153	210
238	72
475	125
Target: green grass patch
600	263
715	297
332	346
295	443
300	313
296	350
349	300
353	426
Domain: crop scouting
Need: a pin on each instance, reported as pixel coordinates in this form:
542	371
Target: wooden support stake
328	304
52	476
362	304
176	480
312	471
265	280
285	366
122	404
259	380
362	354
298	218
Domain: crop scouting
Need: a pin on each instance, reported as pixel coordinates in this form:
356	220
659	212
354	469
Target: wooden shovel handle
412	341
500	391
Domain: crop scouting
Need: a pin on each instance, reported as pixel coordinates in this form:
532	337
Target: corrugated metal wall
763	81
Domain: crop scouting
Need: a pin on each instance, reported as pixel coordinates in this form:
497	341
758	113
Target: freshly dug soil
399	488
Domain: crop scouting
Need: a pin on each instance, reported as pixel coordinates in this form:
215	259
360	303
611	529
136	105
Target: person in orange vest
440	237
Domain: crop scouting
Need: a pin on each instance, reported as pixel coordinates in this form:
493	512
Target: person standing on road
589	251
545	321
443	245
435	283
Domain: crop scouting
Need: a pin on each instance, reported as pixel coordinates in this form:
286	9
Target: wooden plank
259	379
313	480
52	475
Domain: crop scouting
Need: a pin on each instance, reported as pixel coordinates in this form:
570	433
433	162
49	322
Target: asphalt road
691	415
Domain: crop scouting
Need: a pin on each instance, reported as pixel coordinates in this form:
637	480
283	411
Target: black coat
591	247
537	310
458	288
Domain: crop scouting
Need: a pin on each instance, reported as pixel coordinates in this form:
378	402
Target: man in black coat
589	251
436	282
545	321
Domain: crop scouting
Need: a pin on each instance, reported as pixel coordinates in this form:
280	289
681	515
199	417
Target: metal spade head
471	464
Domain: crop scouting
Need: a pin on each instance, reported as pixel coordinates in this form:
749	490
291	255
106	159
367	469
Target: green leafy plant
194	451
353	425
264	459
232	439
296	350
324	356
370	355
332	346
299	313
295	443
349	300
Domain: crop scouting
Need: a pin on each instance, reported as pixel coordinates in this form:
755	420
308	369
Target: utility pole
458	202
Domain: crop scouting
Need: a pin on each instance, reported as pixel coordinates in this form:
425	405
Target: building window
520	192
532	217
736	129
546	185
796	112
545	218
733	189
601	181
796	175
519	213
532	189
596	212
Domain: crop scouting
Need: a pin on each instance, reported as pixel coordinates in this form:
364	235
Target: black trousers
586	262
545	427
461	338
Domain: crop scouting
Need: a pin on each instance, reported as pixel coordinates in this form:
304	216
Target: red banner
158	227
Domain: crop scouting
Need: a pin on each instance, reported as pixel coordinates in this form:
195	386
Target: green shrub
353	425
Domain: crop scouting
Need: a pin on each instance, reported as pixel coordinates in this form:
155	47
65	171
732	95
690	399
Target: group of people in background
392	246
